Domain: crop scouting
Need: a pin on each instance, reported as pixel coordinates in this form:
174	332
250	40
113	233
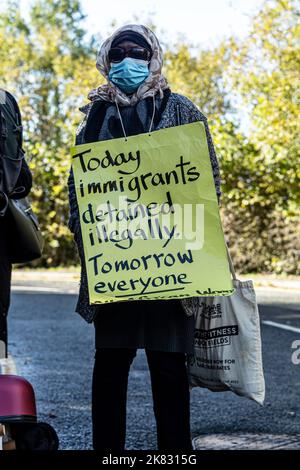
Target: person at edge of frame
23	184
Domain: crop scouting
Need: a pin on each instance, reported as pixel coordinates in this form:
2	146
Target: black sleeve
195	115
74	218
73	223
24	182
214	161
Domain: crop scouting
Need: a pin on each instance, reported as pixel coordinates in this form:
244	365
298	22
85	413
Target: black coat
154	324
25	180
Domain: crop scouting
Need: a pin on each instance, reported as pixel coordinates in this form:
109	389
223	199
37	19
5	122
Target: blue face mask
128	74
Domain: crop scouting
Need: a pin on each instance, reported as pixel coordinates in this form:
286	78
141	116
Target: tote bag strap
230	262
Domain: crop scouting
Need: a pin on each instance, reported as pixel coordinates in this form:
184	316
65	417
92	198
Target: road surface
53	348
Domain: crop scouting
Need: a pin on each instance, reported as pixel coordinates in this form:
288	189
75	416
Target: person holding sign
136	99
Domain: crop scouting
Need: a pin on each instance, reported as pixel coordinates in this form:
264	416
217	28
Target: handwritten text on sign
149	217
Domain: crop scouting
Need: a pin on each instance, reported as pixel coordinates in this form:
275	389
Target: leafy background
48	61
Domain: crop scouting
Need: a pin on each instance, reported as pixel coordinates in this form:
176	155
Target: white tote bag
227	342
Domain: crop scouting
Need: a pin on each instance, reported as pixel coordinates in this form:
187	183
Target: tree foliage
253	82
264	74
49	65
269	87
248	90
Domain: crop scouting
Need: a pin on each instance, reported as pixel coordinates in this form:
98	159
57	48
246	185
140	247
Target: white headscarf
155	82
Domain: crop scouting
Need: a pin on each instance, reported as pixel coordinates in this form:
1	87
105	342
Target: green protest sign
149	217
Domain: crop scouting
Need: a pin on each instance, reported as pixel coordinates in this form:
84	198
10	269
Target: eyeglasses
116	54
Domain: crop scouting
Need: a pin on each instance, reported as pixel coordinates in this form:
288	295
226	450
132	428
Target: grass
65	269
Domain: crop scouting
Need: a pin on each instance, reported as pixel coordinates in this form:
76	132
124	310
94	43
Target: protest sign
149	217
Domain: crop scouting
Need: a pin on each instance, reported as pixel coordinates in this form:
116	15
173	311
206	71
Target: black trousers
170	392
5	280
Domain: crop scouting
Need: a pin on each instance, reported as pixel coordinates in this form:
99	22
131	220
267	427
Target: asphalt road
53	348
